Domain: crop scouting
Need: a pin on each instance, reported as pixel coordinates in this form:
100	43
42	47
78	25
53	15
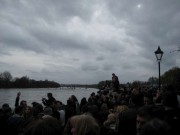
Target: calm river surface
36	94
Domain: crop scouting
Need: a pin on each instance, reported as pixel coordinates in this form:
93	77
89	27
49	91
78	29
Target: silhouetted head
49	95
155	127
5	106
48	126
137	97
170	96
84	124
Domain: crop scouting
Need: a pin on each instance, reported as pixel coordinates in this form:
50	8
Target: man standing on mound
115	82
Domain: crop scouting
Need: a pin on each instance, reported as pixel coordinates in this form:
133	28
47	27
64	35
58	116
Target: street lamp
159	54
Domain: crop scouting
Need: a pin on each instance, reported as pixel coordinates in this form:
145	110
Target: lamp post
159	54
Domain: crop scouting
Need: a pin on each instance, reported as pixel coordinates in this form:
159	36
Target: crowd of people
130	111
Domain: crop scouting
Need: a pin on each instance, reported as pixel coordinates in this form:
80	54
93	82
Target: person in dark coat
127	119
15	123
115	82
50	101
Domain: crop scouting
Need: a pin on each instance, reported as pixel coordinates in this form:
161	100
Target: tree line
7	81
172	76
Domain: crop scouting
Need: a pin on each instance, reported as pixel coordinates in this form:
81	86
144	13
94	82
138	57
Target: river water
36	94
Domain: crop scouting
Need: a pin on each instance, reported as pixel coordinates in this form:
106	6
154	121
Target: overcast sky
85	41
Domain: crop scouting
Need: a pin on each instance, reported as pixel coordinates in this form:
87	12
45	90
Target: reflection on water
33	94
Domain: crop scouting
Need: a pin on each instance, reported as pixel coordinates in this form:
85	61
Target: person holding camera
50	101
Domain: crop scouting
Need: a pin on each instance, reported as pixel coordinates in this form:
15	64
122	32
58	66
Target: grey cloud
109	36
99	58
89	67
59	41
107	67
75	59
16	37
153	23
